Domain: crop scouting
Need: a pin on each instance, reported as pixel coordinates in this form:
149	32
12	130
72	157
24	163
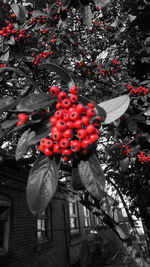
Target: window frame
76	229
87	218
47	219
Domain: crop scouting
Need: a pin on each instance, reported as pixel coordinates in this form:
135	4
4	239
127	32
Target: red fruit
64	143
66	117
66	103
19	123
53	120
61	125
94	137
82	133
56	135
85	143
73	98
96	124
74	90
43	141
54	90
48	152
57	149
91	105
59	114
74	115
80	108
59	105
41	148
62	95
90	129
97	131
90	112
85	120
70	110
23	117
70	124
78	124
66	152
65	158
54	129
75	145
49	143
99	118
68	134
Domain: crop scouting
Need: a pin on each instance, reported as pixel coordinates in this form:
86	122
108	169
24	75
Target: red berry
68	134
90	112
74	115
97	131
19	123
48	152
23	117
41	148
85	143
54	129
90	128
96	124
59	105
43	141
94	137
78	124
80	108
62	95
73	98
53	120
66	103
70	124
91	105
75	145
66	152
66	117
61	125
54	90
65	158
85	120
56	135
74	90
82	133
64	143
57	149
49	143
59	114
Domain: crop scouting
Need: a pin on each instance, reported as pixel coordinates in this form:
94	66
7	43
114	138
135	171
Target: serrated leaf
7	103
20	11
42	184
35	102
92	176
22	144
115	107
63	74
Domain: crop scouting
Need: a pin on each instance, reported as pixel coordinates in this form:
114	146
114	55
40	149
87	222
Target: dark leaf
23	144
63	74
9	123
36	101
76	180
92	176
20	11
7	103
40	133
101	112
42	184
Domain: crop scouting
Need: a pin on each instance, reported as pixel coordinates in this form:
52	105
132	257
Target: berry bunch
137	91
10	30
22	118
142	158
3	65
39	57
74	126
126	151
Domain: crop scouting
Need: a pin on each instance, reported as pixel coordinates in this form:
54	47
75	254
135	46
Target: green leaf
23	144
35	102
115	107
60	71
7	103
42	184
92	176
20	11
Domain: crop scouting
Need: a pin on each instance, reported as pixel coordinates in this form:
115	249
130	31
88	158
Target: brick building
63	236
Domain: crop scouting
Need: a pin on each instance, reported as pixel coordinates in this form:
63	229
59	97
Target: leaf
42	184
5	57
60	71
115	107
36	101
22	144
20	11
92	176
76	180
38	13
9	123
87	16
147	113
40	133
10	41
7	103
124	164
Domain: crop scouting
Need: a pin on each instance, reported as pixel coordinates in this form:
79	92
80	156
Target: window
44	226
73	216
87	221
4	223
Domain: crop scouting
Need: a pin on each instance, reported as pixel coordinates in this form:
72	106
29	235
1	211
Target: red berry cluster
74	126
142	158
22	118
10	30
42	19
138	90
3	65
115	62
38	58
126	151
